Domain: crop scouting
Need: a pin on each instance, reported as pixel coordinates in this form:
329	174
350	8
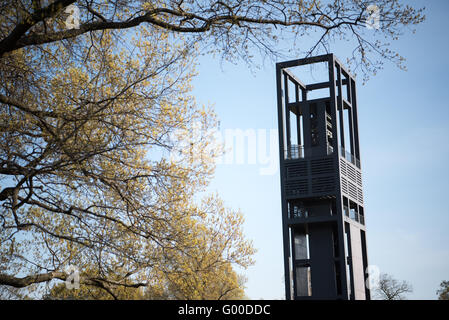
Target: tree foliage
443	291
86	116
391	289
88	181
203	271
234	28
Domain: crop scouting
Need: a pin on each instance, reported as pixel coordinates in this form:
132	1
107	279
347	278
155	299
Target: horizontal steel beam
294	78
300	62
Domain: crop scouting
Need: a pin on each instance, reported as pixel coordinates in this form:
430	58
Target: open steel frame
323	218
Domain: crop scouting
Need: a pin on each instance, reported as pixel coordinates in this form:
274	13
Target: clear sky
404	132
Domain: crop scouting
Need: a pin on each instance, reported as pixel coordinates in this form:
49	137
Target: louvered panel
344	185
351	173
359	178
360	195
323	184
296	170
322	166
343	167
296	187
352	190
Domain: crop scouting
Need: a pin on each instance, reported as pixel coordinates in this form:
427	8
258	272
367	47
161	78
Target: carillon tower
323	218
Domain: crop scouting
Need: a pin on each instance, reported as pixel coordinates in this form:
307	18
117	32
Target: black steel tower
323	218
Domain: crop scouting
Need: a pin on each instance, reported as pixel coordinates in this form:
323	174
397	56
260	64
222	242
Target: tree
234	28
392	289
443	291
92	91
86	175
203	271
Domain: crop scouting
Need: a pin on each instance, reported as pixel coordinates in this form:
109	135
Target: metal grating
323	184
322	166
344	185
352	190
351	173
343	167
360	195
296	187
359	178
296	170
351	181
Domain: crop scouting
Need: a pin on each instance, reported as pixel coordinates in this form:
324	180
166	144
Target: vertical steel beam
365	264
347	234
285	227
338	198
340	104
355	118
298	117
348	88
287	112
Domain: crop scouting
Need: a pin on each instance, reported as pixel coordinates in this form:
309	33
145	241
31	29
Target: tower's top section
321	94
329	58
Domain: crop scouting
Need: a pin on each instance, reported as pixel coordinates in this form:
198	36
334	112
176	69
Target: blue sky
404	132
